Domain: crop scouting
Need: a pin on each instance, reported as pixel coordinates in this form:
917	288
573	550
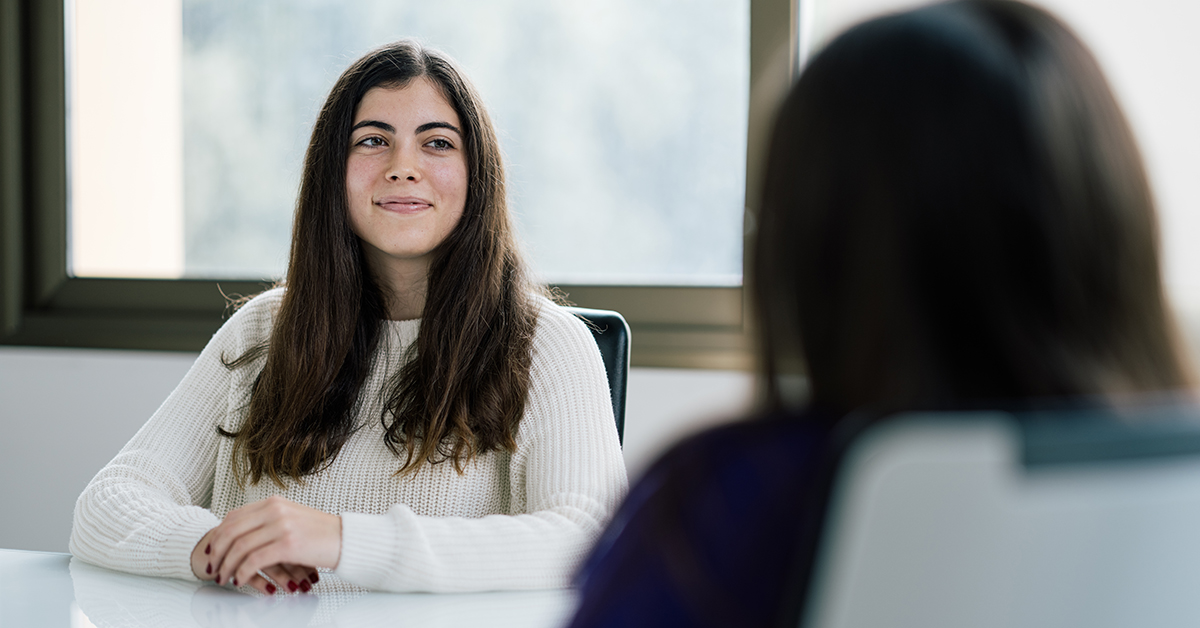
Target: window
44	303
623	124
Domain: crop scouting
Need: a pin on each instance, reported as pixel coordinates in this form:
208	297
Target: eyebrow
375	123
437	125
391	129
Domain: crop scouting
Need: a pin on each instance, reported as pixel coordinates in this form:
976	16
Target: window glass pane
623	124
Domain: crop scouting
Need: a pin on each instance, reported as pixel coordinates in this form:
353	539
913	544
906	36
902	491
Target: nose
404	165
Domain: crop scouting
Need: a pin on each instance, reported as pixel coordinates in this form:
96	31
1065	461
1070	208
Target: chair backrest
612	336
992	519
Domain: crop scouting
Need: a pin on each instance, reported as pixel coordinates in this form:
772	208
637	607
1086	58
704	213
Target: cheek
451	181
456	180
358	197
356	181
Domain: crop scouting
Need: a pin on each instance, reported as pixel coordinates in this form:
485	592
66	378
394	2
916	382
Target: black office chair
989	519
611	333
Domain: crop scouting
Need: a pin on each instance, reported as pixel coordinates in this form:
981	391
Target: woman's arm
146	510
567	477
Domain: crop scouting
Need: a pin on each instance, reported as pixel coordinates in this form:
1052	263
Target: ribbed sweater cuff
368	549
190	526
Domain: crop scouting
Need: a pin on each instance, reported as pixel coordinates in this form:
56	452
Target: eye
440	143
371	141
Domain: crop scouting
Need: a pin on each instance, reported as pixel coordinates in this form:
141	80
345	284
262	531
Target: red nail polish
270	589
235	582
305	586
218	578
208	548
313	576
292	586
208	569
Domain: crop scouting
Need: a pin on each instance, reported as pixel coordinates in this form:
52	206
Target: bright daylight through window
623	124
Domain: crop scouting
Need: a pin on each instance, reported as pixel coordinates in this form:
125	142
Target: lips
403	204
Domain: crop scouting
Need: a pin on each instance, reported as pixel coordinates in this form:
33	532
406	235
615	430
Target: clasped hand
275	536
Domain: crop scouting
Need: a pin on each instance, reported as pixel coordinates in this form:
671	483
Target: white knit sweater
511	521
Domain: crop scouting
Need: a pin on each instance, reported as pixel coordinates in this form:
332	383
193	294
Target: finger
276	531
244	557
300	576
283	576
201	564
307	581
262	548
256	562
260	584
311	574
237	524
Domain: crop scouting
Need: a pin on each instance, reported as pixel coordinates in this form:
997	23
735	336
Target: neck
404	283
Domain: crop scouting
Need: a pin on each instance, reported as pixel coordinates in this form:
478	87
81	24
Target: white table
52	590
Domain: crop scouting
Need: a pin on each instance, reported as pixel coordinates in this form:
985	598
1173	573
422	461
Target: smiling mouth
404	205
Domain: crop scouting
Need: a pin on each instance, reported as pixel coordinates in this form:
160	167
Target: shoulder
756	457
568	395
780	434
722	505
556	320
559	332
252	322
263	305
748	463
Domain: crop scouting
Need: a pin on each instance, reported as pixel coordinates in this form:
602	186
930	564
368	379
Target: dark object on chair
1081	517
612	336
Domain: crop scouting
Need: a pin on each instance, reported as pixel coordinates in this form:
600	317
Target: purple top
720	531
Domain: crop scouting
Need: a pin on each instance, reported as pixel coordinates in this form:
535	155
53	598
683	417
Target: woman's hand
281	538
292	577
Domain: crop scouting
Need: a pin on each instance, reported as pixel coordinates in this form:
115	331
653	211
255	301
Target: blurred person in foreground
955	216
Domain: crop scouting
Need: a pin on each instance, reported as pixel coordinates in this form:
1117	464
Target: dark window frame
42	305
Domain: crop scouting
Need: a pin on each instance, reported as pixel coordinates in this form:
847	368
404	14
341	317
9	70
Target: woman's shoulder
267	301
760	455
755	457
780	435
558	328
252	321
552	315
729	501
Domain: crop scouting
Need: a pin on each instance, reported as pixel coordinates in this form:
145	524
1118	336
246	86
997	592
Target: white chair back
989	520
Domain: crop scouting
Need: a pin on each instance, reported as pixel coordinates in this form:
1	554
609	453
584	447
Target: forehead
412	105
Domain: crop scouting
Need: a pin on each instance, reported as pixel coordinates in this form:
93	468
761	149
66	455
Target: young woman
407	411
955	216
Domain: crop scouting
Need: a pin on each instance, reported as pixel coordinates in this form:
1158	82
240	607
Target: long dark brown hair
464	389
955	212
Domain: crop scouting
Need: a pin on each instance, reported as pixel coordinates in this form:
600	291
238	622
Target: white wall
64	413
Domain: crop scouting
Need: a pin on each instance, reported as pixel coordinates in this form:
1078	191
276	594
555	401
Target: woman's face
406	176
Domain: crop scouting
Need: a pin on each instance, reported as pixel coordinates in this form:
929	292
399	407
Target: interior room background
66	412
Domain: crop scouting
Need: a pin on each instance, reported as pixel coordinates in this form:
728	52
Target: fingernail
208	548
305	586
292	586
208	569
270	589
313	576
235	582
218	578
